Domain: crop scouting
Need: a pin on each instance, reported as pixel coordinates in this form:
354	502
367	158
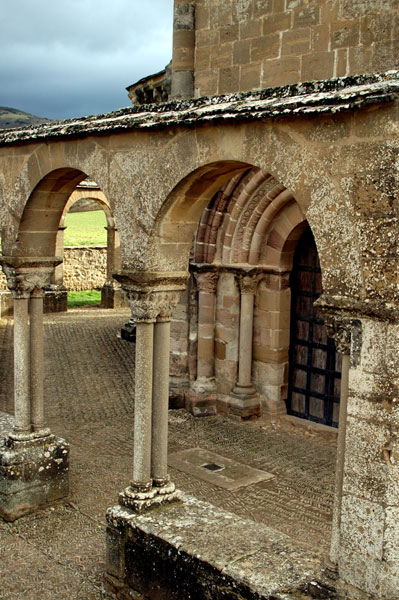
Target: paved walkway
58	553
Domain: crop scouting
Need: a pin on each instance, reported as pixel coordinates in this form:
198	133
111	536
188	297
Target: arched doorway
315	366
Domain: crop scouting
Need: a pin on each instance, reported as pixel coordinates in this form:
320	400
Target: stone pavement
58	553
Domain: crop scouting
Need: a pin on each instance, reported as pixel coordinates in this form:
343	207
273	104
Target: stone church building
256	199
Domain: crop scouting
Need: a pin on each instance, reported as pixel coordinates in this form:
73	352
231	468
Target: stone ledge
191	549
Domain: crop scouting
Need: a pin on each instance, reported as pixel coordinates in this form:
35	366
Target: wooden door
315	366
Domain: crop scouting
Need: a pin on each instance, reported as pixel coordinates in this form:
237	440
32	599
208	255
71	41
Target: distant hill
12	117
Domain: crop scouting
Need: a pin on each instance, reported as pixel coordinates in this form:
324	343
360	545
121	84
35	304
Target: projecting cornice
328	96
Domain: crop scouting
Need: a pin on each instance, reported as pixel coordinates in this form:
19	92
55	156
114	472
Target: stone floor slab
216	469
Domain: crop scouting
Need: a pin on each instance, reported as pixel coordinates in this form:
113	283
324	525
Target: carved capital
340	330
248	283
207	281
27	276
152	296
152	305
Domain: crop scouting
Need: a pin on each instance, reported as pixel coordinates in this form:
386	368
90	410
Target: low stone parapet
191	549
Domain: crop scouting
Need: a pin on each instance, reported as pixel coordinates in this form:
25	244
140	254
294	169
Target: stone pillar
152	304
159	453
112	296
111	230
340	330
58	275
40	458
183	49
36	362
22	405
202	399
245	400
143	405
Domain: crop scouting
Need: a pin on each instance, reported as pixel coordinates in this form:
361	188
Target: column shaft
159	453
21	366
246	329
143	405
36	364
339	473
206	334
110	252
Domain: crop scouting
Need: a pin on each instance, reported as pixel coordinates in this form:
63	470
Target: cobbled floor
58	553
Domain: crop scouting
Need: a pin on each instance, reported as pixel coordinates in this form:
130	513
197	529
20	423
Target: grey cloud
64	58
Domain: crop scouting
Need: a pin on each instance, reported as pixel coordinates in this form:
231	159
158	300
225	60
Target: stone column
111	230
183	49
22	404
340	330
245	400
36	362
151	303
201	400
160	404
206	283
40	459
27	278
58	276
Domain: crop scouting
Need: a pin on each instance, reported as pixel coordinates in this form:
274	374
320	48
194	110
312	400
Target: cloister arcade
247	189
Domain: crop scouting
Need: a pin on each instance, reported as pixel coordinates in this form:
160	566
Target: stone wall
249	44
84	268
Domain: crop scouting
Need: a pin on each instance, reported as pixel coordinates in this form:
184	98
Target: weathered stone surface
193	549
32	473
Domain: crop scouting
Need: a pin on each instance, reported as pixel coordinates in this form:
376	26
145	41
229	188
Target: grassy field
85	229
84	298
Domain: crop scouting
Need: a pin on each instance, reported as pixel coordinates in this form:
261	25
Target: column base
201	400
33	472
113	297
140	501
245	402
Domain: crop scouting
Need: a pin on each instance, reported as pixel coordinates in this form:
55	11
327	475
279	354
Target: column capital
248	283
207	280
28	275
340	329
152	295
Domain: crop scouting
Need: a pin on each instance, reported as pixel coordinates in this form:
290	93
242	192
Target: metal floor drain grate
212	467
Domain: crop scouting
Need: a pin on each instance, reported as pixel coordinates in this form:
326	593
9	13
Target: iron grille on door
315	366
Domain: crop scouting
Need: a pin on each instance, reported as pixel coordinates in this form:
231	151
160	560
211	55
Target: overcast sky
68	58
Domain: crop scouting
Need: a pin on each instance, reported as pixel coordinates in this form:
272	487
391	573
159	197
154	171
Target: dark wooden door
315	366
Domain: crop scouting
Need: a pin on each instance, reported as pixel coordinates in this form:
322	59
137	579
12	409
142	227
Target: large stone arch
168	214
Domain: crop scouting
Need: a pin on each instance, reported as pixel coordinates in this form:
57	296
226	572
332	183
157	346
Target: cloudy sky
67	58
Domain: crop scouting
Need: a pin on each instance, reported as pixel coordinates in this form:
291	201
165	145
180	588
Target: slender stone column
58	275
36	362
143	406
151	302
248	400
206	282
22	405
160	403
110	252
27	278
340	330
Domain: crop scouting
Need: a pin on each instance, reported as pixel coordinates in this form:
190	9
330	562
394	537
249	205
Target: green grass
85	229
84	298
